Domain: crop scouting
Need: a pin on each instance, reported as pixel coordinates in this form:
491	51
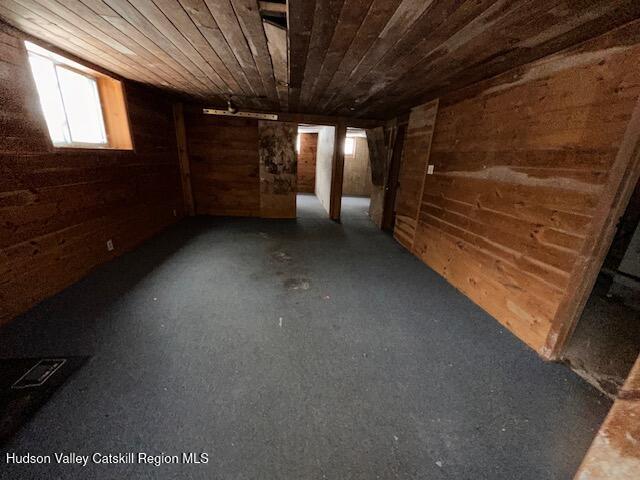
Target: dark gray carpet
294	350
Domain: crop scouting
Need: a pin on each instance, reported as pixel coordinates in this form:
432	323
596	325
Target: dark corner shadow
69	322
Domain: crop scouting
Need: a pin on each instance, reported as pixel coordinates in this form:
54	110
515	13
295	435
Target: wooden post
183	159
337	171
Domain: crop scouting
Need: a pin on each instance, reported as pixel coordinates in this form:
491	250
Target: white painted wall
324	164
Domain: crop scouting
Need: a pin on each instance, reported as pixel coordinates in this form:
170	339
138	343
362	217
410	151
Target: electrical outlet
429	169
110	245
175	212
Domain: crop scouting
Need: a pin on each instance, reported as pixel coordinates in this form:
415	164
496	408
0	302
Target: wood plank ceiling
365	58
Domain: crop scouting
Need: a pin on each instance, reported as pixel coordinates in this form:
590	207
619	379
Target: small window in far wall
82	108
349	146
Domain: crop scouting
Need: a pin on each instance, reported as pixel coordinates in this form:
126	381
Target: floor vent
26	384
37	375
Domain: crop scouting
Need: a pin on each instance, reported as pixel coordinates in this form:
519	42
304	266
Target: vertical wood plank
415	157
433	112
183	159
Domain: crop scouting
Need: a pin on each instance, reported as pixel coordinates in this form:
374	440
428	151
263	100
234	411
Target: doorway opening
356	179
606	341
315	147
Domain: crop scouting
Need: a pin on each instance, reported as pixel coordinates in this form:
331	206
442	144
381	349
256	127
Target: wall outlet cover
430	169
110	245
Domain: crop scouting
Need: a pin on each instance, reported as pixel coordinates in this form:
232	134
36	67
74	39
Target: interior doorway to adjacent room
356	180
315	147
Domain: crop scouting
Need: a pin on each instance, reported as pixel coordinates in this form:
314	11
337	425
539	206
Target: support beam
299	118
273	7
183	159
337	172
329	120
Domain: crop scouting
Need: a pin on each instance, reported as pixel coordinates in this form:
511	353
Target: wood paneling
224	161
22	126
357	170
523	164
365	58
241	166
307	162
277	169
58	207
413	167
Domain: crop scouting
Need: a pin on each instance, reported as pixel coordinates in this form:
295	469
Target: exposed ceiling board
277	44
388	55
366	58
301	18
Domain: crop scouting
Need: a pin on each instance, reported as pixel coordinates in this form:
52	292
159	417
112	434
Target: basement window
349	146
82	108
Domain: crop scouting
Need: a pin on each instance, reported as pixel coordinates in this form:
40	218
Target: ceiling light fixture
231	107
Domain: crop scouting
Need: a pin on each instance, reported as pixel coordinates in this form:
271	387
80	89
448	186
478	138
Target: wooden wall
59	207
241	166
225	173
307	162
357	170
523	163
